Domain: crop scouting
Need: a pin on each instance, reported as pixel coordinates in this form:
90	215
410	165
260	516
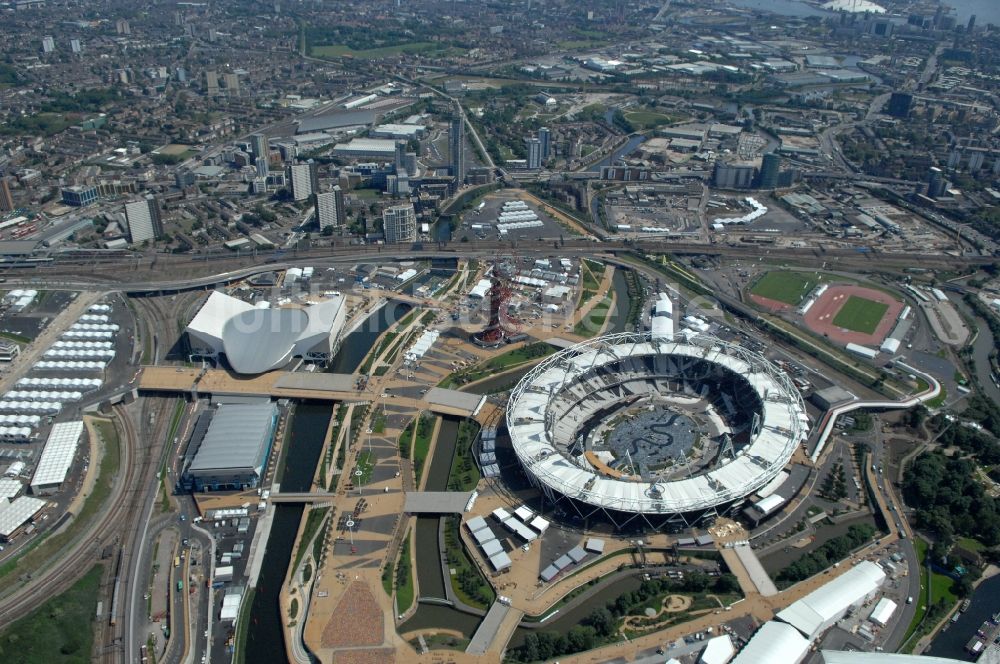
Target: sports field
788	287
860	315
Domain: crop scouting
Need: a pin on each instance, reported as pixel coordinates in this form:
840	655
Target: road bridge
156	277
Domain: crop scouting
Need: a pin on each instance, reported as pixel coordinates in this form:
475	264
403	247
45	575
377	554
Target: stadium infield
860	314
867	321
784	287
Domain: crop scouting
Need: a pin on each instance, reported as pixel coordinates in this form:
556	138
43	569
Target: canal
430	574
356	345
265	641
607	591
951	642
625	150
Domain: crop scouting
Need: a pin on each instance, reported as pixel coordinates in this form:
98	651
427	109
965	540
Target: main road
157	274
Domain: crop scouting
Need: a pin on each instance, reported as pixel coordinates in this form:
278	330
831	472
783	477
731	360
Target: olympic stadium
667	431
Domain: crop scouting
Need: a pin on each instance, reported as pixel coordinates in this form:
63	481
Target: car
909	600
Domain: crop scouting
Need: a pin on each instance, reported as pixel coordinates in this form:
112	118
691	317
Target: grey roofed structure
455	399
562	562
234	452
483	536
18	247
476	523
577	554
595	545
549	573
491	548
436	502
500	561
337	120
301	380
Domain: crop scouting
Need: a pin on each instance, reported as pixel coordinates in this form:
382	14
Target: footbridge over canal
218	384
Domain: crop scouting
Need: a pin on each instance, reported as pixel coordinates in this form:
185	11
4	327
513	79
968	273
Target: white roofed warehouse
233	453
645	427
257	340
56	458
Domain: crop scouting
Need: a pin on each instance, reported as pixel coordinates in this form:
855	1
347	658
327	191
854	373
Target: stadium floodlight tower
500	325
654	432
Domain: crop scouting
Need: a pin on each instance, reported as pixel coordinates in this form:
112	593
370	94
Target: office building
972	23
305	180
534	148
181	75
122	27
330	209
79	196
456	148
976	160
399	159
399	224
143	218
770	169
212	82
48	44
545	138
899	104
735	175
936	184
6	199
261	154
232	83
74	45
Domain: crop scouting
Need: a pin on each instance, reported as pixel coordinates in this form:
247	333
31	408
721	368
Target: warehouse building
233	454
57	458
16	516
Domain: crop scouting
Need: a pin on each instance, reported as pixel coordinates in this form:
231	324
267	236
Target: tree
602	621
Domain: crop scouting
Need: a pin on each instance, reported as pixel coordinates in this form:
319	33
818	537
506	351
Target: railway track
83	554
119	642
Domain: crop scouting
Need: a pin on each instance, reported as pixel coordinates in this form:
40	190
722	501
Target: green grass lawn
340	50
592	323
404	578
366	464
647	119
422	443
60	630
313	521
788	287
860	315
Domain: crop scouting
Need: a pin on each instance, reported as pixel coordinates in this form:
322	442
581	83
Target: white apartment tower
399	224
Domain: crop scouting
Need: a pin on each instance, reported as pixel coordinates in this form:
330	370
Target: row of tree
830	553
603	623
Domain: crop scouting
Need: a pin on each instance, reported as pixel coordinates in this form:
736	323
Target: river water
265	637
356	345
951	642
430	576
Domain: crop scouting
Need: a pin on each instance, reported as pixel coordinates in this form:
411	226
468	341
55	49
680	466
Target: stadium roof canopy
540	436
258	340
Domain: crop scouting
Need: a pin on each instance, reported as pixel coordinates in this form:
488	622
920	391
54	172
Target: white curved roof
256	340
536	434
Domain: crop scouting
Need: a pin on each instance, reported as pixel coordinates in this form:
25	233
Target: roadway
116	272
